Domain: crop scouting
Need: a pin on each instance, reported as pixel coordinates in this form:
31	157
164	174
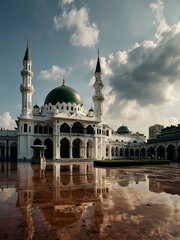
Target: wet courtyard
75	201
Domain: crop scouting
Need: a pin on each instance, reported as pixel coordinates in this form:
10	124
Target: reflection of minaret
25	198
98	97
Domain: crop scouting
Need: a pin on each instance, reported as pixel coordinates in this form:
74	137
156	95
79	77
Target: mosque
64	126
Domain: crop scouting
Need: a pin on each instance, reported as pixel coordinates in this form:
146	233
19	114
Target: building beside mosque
64	125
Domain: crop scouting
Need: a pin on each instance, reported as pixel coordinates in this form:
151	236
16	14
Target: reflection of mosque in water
67	192
64	192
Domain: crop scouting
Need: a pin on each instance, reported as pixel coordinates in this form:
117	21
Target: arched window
45	129
25	127
35	129
77	128
50	130
37	141
90	130
65	128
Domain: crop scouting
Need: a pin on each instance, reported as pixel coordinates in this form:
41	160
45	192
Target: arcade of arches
8	150
169	151
69	149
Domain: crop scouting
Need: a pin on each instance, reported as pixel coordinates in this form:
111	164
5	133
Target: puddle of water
77	201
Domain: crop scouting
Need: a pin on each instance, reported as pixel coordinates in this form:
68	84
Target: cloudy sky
139	49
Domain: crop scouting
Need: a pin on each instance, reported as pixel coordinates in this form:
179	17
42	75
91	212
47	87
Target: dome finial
63	80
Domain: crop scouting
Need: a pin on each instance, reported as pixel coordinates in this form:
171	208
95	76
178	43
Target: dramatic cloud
85	34
144	80
64	2
6	121
162	26
54	73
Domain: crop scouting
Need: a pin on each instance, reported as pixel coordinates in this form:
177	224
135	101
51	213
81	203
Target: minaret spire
98	65
27	56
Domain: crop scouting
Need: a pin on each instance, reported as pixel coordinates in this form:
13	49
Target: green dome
36	106
123	129
63	94
91	110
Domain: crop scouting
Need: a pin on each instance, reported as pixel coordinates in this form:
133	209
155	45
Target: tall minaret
98	97
26	87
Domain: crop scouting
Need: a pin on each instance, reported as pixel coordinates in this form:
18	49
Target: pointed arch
126	152
151	152
78	148
161	152
64	150
90	149
143	153
171	152
77	128
65	128
13	151
49	148
116	151
25	127
37	141
90	129
131	152
2	150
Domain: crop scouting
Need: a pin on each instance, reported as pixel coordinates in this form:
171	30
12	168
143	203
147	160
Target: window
25	127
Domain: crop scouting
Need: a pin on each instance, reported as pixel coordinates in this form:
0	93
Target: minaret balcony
25	88
26	73
98	97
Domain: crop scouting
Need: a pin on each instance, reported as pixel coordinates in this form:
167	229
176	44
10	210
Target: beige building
155	130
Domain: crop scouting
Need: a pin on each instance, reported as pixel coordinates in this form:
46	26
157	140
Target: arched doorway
13	151
161	152
90	152
171	152
178	154
143	153
78	148
131	153
126	152
151	153
2	150
137	153
49	148
64	150
116	151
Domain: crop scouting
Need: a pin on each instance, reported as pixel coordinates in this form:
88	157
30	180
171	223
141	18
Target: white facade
65	127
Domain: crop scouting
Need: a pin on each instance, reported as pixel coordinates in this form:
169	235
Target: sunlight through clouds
85	33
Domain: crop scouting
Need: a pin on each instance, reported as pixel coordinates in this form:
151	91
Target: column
70	151
165	153
85	151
